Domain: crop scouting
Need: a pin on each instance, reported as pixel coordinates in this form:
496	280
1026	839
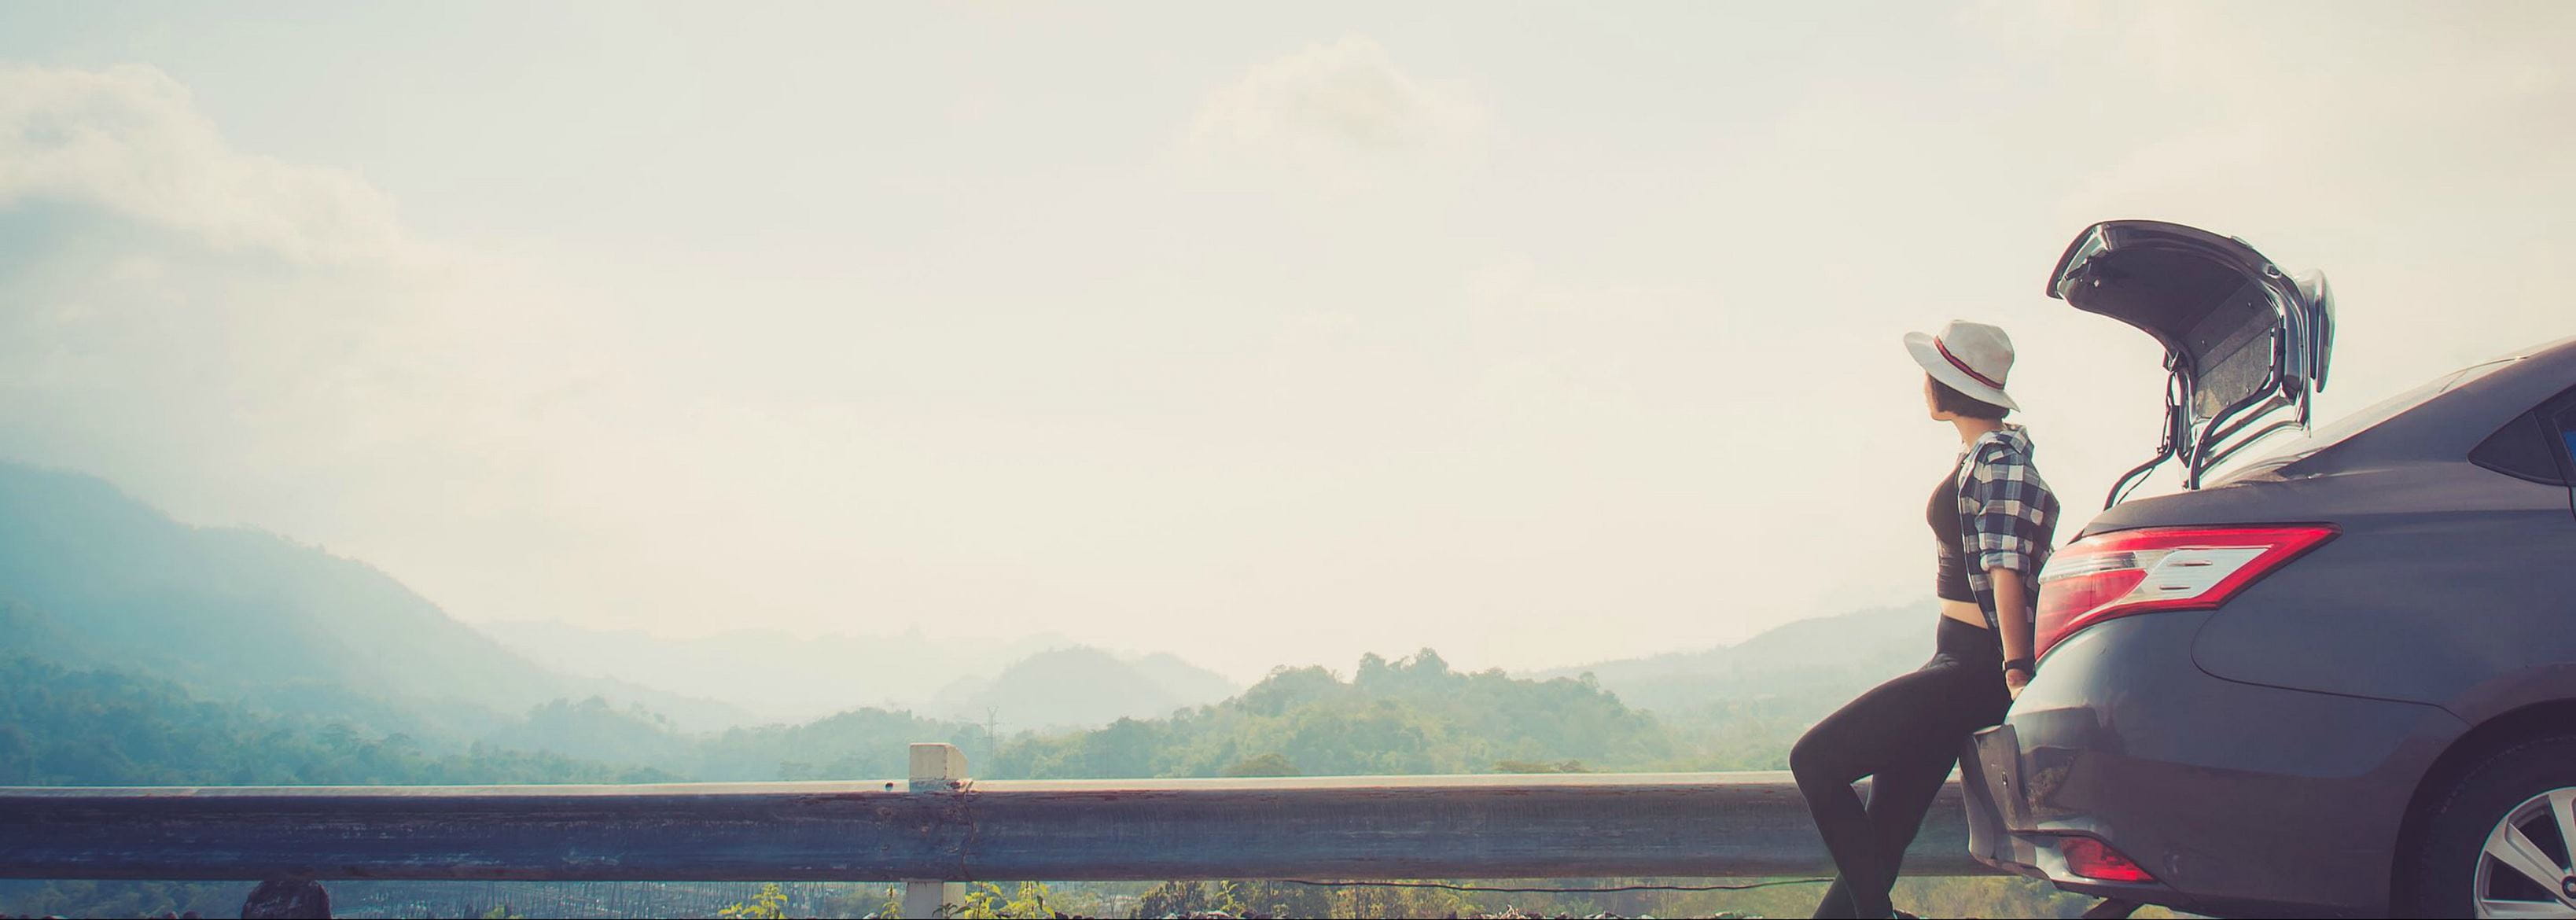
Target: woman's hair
1948	399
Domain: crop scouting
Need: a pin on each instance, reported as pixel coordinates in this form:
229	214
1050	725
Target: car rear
2245	690
2127	771
2249	693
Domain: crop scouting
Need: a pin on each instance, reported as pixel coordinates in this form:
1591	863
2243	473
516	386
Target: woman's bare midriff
1964	612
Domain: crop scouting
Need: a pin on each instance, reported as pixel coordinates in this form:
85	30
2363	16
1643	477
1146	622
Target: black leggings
1907	733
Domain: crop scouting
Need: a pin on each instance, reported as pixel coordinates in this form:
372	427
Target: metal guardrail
940	827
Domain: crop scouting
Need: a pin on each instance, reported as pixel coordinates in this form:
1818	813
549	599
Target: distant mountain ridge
1042	681
1821	656
799	677
1080	687
90	576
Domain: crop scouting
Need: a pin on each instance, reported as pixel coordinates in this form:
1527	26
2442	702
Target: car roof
2446	426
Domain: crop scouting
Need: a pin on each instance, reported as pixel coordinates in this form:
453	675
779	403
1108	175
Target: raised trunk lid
2248	345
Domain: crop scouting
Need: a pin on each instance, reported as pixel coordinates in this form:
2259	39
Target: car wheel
2502	841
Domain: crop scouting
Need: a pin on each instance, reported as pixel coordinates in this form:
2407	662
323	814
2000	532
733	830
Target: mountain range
1041	681
1080	687
1824	657
90	576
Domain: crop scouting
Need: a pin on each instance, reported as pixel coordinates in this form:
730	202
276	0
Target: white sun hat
1971	358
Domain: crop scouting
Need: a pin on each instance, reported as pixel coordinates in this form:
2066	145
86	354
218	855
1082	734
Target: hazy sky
1260	335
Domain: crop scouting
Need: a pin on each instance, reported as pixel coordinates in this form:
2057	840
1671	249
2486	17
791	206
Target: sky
1536	334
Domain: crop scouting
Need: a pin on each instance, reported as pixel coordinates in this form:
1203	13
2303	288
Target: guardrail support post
935	768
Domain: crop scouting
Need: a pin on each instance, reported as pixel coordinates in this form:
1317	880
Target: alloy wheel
2528	867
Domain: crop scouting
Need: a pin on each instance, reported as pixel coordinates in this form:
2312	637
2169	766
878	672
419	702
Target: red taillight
2111	575
2094	859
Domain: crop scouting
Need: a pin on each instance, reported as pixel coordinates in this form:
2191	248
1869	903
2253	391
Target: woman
1994	519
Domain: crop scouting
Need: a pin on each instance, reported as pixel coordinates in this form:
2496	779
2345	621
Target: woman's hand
2014	680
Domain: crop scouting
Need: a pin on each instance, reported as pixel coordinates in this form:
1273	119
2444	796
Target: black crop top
1951	584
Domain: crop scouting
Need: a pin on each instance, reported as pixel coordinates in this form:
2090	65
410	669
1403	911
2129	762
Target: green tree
769	904
985	901
1271	764
1244	897
1171	898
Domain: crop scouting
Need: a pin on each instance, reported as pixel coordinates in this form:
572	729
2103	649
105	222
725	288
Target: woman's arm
2013	514
2012	601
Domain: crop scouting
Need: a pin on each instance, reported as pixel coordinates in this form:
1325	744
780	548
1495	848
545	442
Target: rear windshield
2334	432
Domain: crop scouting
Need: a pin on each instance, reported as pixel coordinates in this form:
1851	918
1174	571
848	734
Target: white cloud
129	139
1337	108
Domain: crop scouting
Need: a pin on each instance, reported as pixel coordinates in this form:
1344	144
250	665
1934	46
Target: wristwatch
2024	664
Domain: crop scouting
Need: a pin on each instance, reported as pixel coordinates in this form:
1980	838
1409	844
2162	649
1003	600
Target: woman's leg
1899	796
1883	732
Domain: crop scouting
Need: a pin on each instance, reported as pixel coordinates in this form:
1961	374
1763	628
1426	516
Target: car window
2567	440
2525	448
2565	428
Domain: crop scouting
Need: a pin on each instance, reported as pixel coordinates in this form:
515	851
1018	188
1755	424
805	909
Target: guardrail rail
937	829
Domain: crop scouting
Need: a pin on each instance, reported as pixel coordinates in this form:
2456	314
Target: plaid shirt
2007	516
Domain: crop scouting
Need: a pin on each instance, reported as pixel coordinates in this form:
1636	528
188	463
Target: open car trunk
2247	345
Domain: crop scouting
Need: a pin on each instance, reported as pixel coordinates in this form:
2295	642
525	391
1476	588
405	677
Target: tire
2451	871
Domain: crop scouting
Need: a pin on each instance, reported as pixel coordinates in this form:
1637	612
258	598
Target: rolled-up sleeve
2010	511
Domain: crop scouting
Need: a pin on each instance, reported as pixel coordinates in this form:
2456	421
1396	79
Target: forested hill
60	726
1410	715
1033	681
63	726
1824	659
1080	687
106	580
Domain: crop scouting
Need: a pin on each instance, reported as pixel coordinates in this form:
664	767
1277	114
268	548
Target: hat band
1963	365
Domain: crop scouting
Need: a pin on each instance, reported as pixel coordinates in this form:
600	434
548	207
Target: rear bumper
2239	799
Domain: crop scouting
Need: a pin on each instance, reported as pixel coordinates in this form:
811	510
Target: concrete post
935	768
